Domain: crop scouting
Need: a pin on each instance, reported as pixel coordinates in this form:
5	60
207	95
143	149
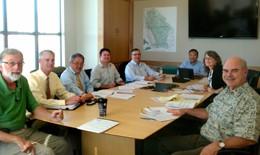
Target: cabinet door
118	27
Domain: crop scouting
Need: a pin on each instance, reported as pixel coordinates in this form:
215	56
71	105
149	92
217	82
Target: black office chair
250	150
88	72
257	90
253	77
58	70
121	69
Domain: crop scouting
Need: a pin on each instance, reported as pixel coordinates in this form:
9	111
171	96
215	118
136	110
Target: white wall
249	49
81	30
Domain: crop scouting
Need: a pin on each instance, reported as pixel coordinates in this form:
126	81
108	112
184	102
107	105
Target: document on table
122	96
103	93
181	104
196	87
164	99
124	91
136	85
63	107
192	96
157	113
98	125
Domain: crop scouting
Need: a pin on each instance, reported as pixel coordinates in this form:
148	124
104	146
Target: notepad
122	96
63	107
103	93
98	125
157	113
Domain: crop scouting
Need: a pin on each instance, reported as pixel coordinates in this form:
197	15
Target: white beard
13	77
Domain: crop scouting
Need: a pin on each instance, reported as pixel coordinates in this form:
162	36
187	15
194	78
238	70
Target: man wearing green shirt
15	99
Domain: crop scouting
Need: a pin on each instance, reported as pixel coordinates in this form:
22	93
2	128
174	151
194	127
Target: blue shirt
137	72
69	80
198	67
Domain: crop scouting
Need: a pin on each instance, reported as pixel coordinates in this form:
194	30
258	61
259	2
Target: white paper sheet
103	93
181	104
98	125
157	113
122	96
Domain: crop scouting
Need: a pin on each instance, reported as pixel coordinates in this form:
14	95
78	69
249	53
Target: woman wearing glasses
213	66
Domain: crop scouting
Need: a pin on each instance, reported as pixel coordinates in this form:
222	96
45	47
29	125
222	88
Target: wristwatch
221	144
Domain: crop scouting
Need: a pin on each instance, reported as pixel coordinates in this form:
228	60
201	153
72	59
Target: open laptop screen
186	73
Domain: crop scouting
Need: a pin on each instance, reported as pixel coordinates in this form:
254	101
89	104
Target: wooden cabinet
118	28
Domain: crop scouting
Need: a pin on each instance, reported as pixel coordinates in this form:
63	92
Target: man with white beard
15	99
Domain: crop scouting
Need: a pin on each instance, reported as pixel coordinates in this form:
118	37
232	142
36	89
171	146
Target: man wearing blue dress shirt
136	70
194	63
75	79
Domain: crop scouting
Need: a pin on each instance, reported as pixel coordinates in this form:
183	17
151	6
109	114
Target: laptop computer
185	75
162	87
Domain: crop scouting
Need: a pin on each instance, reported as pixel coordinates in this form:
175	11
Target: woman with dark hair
213	66
105	74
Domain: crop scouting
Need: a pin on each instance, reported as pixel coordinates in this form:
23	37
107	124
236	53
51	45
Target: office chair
88	72
168	69
121	69
59	70
253	77
250	150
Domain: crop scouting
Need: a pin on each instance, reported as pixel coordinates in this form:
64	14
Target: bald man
232	118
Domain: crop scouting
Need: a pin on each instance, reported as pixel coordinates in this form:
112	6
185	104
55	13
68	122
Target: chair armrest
250	150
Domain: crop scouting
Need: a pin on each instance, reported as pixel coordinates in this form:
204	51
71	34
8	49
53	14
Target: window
20	15
1	17
26	44
31	26
1	42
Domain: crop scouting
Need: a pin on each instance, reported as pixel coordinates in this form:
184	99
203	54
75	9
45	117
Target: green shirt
233	113
13	104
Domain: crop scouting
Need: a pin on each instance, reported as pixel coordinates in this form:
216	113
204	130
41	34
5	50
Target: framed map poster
159	29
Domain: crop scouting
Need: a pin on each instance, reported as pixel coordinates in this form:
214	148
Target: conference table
121	139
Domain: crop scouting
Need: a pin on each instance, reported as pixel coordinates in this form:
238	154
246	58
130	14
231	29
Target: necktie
48	90
79	84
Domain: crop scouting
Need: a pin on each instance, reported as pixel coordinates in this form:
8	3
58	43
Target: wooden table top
126	112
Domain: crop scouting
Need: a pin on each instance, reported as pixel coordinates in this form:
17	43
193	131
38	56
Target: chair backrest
33	70
253	77
58	70
249	150
121	69
88	72
167	69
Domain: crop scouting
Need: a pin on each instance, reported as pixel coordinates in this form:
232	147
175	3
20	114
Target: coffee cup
102	106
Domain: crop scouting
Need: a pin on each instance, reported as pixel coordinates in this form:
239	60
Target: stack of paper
157	113
181	104
124	91
164	99
103	93
192	96
196	87
98	125
177	101
137	84
63	107
122	96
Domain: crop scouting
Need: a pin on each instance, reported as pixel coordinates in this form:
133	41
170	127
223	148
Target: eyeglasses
78	64
12	64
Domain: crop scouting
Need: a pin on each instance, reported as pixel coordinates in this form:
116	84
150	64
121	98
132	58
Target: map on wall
159	29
